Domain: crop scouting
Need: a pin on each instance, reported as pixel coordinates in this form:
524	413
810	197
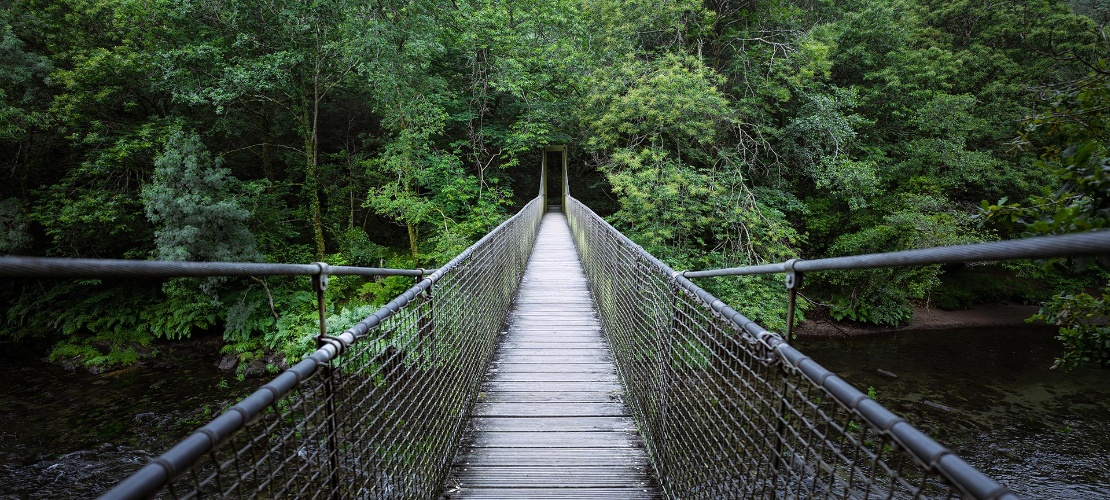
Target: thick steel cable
51	267
1094	243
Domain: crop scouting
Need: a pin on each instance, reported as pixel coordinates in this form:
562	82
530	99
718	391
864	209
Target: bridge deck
550	422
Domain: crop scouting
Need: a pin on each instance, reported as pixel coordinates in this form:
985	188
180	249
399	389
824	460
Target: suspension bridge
555	358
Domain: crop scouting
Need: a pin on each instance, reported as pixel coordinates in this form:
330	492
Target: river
74	435
991	396
1044	433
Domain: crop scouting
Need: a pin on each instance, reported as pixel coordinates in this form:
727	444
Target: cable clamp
793	278
337	343
320	280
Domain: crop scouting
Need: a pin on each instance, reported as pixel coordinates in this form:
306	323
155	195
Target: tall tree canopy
715	132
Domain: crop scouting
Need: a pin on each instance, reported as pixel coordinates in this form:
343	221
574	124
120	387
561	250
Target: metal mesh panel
378	411
729	410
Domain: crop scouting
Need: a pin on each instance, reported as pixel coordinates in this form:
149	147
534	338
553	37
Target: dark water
74	435
1044	433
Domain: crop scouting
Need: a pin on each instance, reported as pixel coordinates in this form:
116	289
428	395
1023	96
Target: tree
1073	137
278	60
191	199
659	125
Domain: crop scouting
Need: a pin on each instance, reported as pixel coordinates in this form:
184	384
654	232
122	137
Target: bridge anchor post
320	285
793	283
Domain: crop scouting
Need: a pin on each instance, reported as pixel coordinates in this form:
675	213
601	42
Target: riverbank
73	434
991	396
931	318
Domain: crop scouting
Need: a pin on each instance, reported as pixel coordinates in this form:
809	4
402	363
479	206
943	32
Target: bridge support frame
546	190
793	283
320	286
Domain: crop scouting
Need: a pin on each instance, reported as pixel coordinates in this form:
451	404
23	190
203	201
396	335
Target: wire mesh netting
377	411
729	410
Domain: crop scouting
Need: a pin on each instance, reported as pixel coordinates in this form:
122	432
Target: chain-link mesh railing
377	411
729	410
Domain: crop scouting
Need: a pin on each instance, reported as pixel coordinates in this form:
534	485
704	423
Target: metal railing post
793	283
425	325
320	285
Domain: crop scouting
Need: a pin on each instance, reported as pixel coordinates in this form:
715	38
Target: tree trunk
413	244
312	185
267	160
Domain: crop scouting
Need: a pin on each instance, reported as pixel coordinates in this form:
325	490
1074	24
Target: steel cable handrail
1094	243
57	267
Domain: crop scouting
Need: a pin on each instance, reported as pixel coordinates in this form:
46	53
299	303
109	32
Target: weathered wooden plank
548	340
576	354
552	387
528	359
549	327
540	317
524	303
552	396
514	376
555	493
542	342
539	321
553	368
555	409
549	439
556	456
571	314
554	359
569	366
556	476
560	423
556	332
583	308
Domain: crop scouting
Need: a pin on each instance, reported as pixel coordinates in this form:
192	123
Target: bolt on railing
730	410
376	412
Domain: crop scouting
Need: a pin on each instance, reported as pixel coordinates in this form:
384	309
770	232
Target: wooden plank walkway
550	422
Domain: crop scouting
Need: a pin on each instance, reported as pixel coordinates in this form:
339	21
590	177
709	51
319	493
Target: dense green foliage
395	133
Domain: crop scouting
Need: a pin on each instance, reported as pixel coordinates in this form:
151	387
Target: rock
277	359
257	368
936	406
228	363
886	373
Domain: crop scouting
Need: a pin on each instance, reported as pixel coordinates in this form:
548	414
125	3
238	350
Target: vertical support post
426	325
320	285
543	177
793	283
566	180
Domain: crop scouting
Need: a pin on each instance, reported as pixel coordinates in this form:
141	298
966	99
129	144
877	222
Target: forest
394	133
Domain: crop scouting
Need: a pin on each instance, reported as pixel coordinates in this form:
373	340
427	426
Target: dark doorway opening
554	161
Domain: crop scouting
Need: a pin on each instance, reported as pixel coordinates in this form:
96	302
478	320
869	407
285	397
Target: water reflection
990	395
1042	432
73	435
